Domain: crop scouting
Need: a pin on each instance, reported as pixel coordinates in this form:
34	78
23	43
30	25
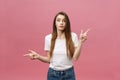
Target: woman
62	48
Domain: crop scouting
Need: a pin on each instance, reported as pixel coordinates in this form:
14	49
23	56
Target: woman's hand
32	54
83	35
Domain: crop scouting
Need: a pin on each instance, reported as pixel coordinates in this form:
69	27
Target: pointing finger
31	51
25	54
87	31
81	32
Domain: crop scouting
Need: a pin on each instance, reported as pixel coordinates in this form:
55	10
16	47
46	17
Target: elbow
48	61
75	59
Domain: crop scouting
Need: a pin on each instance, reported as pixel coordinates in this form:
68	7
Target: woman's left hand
83	35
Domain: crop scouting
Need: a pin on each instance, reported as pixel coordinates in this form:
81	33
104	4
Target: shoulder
48	36
73	34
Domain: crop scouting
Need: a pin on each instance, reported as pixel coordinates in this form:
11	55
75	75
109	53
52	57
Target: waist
60	67
65	70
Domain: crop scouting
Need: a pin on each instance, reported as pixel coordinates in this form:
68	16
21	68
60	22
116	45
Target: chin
62	29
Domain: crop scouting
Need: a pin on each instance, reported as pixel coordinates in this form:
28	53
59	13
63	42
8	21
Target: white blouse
59	60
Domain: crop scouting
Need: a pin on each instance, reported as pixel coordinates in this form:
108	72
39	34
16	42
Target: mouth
61	26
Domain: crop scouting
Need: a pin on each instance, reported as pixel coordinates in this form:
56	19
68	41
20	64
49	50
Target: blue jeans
61	75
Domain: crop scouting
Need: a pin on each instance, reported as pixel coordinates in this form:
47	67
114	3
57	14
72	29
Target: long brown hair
69	43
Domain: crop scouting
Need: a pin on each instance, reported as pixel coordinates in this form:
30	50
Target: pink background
24	24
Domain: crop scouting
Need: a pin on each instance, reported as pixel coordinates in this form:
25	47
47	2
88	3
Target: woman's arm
77	51
33	55
83	37
45	59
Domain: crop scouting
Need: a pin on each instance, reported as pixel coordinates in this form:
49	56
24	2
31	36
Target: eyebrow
60	18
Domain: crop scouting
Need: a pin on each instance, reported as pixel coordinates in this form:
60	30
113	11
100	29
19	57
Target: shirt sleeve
47	44
75	39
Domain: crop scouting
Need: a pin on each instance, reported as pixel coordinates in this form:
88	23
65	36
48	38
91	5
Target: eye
64	20
58	20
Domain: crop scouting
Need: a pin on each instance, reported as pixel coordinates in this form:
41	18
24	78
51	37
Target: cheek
56	23
65	24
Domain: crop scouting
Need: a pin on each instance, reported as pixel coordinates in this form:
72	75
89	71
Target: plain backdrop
24	24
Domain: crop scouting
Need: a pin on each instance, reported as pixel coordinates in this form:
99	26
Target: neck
60	35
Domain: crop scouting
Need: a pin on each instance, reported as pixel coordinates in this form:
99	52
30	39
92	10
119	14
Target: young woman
62	48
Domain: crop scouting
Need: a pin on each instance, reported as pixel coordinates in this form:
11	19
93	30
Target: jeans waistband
63	70
67	74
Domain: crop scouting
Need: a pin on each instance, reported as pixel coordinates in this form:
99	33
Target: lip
61	26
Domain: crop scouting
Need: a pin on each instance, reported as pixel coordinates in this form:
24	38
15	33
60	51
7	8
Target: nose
61	22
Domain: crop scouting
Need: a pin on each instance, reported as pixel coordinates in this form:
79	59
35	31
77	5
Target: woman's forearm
77	51
44	59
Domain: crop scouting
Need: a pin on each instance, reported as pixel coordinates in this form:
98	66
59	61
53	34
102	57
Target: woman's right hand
32	54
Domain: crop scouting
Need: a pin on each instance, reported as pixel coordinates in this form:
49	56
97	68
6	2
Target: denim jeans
61	75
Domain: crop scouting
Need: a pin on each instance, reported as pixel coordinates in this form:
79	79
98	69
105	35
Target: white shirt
59	60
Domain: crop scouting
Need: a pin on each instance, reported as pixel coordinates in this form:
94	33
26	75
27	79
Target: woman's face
60	22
